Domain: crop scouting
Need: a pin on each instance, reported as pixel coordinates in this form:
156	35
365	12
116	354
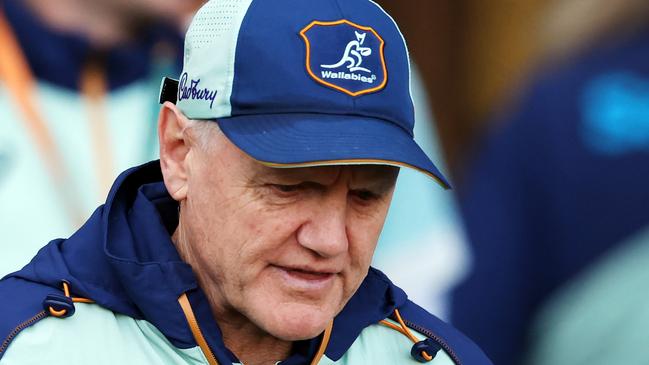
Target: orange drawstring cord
66	291
186	306
56	313
404	330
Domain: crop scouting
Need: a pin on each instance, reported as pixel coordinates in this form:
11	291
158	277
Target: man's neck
102	24
251	344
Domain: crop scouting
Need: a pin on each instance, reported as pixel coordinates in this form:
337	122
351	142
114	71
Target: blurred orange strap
15	71
94	89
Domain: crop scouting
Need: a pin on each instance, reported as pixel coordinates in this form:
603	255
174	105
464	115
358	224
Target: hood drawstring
196	330
62	306
186	306
419	349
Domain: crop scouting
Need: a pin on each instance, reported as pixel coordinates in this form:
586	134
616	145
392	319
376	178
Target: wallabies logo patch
345	56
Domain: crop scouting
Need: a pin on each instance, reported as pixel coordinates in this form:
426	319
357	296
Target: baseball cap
297	83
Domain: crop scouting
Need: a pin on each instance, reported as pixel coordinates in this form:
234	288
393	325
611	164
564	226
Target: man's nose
325	230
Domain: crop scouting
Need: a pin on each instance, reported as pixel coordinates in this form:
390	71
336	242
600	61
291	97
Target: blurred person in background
554	195
601	316
73	73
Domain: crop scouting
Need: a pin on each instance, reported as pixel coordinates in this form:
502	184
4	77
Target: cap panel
394	50
205	85
405	45
278	81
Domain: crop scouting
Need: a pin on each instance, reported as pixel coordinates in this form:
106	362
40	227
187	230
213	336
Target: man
250	240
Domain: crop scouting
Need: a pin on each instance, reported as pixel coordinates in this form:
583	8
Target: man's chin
295	322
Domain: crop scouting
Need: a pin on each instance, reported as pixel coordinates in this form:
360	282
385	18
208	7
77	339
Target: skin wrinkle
245	227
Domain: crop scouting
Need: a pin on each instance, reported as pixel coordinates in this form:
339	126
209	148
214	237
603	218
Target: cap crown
245	57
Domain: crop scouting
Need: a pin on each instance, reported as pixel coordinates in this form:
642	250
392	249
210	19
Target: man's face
283	248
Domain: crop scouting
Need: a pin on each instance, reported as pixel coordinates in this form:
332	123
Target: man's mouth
306	279
309	275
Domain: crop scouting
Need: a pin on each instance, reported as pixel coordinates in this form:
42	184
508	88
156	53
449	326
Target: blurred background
537	111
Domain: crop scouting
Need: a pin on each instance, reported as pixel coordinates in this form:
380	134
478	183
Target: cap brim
302	140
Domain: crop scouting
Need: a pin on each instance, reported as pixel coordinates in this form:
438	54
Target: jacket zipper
5	344
437	339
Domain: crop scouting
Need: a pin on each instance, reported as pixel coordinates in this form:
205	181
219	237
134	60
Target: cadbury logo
193	91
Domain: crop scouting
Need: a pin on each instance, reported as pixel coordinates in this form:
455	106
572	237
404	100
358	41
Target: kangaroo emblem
345	56
354	53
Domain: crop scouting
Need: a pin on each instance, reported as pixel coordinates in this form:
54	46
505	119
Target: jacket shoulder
379	344
460	348
94	334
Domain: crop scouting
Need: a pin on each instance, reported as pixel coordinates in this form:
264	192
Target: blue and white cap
297	83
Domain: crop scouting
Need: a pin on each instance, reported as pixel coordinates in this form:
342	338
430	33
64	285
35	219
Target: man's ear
174	149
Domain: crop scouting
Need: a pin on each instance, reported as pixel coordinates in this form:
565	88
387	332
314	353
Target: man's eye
365	195
285	188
